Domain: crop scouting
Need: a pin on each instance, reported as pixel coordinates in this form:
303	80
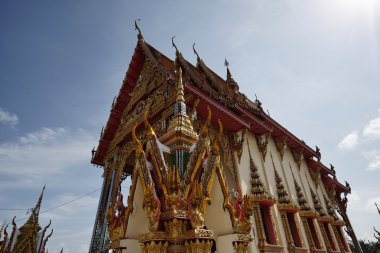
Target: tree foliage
367	246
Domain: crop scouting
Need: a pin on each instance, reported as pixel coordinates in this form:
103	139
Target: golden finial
2	228
206	124
195	52
147	125
180	90
51	233
136	142
229	75
226	63
48	225
13	222
5	238
173	44
138	28
215	148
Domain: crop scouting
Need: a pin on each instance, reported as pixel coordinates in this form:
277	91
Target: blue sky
314	65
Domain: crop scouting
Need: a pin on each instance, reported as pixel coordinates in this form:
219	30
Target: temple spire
32	222
283	196
180	89
302	202
230	81
256	184
317	205
180	135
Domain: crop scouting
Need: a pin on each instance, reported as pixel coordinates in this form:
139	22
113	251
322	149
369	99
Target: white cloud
349	142
353	197
371	203
43	153
374	157
8	118
373	128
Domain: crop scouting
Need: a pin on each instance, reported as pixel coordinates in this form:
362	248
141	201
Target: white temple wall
286	168
138	222
216	218
288	162
304	170
269	170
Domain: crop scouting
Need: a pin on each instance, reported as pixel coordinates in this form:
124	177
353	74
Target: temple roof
234	109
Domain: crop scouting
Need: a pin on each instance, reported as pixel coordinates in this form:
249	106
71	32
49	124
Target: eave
292	141
230	121
329	182
120	104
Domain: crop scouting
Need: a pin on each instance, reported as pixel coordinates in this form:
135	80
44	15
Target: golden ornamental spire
136	142
257	189
180	134
283	196
300	197
230	81
139	35
215	148
180	89
317	205
33	219
206	125
147	125
330	209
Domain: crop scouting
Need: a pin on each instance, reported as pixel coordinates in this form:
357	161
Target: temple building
30	237
208	170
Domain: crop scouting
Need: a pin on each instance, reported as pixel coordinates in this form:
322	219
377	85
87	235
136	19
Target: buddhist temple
30	237
208	169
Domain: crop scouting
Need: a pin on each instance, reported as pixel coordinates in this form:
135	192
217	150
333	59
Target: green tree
367	246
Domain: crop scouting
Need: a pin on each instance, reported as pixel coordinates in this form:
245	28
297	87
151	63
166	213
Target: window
268	225
313	232
294	230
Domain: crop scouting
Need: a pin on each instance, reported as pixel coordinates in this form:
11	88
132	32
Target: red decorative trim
121	102
292	140
232	121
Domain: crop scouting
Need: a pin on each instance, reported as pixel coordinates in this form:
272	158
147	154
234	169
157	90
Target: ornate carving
242	210
332	170
175	229
153	207
262	143
198	246
240	247
154	247
194	206
238	143
317	205
280	142
297	156
149	79
171	214
331	191
153	236
115	221
244	237
199	234
284	202
174	199
315	176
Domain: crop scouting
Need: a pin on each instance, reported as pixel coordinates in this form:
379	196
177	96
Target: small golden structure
30	237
